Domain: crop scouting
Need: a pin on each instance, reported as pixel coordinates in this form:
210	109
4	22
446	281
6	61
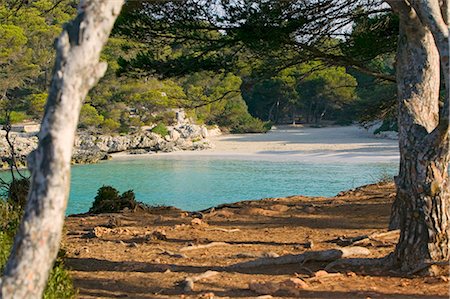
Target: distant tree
89	117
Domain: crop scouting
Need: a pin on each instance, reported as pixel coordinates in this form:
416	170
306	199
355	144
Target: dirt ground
149	254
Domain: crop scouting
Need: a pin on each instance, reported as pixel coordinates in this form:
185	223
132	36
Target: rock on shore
90	148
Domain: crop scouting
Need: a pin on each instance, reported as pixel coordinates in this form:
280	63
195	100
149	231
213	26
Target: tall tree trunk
77	69
422	207
418	105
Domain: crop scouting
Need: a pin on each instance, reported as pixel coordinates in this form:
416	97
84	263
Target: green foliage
5	248
27	33
15	117
160	129
36	104
110	125
9	218
18	192
108	200
89	117
60	284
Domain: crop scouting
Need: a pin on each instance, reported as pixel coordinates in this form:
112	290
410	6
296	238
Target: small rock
309	244
188	285
198	221
245	255
351	274
310	210
279	208
294	286
99	231
321	273
113	222
133	244
265	288
209	295
158	235
270	254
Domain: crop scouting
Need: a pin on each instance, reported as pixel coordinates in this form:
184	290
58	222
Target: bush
108	200
18	192
110	125
15	117
160	129
249	124
37	104
9	218
89	117
60	284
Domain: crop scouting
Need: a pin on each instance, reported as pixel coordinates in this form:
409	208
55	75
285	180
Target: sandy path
331	144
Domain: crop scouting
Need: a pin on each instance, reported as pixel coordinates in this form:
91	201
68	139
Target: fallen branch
224	229
188	282
172	254
320	256
212	244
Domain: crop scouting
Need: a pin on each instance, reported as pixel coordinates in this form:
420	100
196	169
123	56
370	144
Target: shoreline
338	144
150	254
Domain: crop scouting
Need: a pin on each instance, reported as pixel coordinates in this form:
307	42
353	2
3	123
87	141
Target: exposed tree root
357	262
426	265
322	256
389	238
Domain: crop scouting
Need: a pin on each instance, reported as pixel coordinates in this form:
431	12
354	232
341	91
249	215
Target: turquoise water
199	183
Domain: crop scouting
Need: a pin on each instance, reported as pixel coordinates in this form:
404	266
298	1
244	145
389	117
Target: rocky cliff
90	148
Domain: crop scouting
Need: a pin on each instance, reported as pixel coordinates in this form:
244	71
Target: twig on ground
212	244
224	229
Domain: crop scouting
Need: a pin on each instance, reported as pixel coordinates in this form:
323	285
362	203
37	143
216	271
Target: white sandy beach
349	144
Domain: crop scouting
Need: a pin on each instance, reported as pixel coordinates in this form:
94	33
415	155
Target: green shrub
15	117
249	124
9	218
60	284
89	117
36	104
5	247
160	129
108	200
18	192
110	125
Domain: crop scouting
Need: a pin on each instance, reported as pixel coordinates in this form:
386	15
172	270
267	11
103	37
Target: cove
191	183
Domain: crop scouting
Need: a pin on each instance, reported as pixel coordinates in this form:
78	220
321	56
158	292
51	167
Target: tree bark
422	207
77	69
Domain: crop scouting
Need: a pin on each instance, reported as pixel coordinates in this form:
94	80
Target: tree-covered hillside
239	81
